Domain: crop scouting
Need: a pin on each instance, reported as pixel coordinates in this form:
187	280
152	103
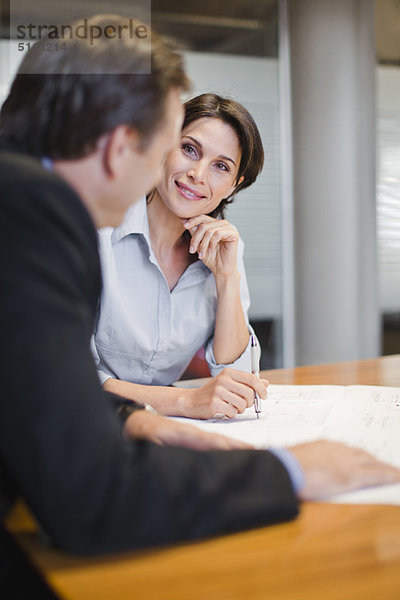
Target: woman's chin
184	215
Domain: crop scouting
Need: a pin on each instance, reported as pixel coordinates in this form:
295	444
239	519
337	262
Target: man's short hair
62	102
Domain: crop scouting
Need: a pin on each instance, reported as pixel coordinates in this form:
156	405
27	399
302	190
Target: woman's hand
216	242
166	432
227	394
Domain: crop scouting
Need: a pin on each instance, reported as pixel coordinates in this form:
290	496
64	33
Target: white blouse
146	333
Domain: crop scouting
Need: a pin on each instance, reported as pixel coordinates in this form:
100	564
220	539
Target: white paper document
363	416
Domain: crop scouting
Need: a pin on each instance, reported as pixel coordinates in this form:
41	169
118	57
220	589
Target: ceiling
247	27
234	26
387	31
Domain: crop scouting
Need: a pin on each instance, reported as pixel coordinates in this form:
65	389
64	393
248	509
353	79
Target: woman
174	277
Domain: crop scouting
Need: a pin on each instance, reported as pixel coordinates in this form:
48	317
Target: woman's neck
169	245
165	228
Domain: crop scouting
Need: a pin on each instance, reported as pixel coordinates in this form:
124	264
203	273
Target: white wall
9	61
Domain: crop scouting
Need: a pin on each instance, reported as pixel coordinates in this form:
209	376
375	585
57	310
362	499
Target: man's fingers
166	432
332	468
232	444
376	472
213	441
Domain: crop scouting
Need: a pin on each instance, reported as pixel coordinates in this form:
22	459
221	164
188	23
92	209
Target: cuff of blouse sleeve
103	376
292	465
242	363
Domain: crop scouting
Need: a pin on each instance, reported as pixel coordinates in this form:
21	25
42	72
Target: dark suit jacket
60	442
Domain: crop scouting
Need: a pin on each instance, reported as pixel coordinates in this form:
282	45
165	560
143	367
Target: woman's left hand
215	241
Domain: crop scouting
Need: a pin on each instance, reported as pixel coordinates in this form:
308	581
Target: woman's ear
235	186
239	181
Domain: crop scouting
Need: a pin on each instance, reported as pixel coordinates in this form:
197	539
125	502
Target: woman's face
203	170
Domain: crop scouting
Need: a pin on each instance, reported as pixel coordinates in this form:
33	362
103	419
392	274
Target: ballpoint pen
255	368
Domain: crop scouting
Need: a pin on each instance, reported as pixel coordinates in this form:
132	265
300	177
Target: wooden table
330	551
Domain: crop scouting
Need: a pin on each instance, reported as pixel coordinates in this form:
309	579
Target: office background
322	224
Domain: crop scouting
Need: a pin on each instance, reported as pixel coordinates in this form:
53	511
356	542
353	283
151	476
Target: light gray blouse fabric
145	333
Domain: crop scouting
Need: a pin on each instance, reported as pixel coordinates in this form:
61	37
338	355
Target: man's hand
227	394
160	430
334	468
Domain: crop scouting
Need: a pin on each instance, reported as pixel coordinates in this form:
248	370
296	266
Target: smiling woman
174	278
203	171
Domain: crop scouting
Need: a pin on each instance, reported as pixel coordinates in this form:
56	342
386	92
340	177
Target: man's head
95	98
63	100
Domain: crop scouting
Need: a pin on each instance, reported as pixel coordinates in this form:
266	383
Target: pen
255	368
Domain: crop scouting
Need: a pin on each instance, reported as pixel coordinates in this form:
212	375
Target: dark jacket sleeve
60	439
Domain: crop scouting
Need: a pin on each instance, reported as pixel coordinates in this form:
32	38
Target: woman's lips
187	192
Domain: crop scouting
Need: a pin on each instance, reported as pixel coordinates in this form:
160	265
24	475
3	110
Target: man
82	138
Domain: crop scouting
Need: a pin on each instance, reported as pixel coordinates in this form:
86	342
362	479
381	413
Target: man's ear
117	148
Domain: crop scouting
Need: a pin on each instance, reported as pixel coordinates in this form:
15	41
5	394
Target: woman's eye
222	166
189	149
